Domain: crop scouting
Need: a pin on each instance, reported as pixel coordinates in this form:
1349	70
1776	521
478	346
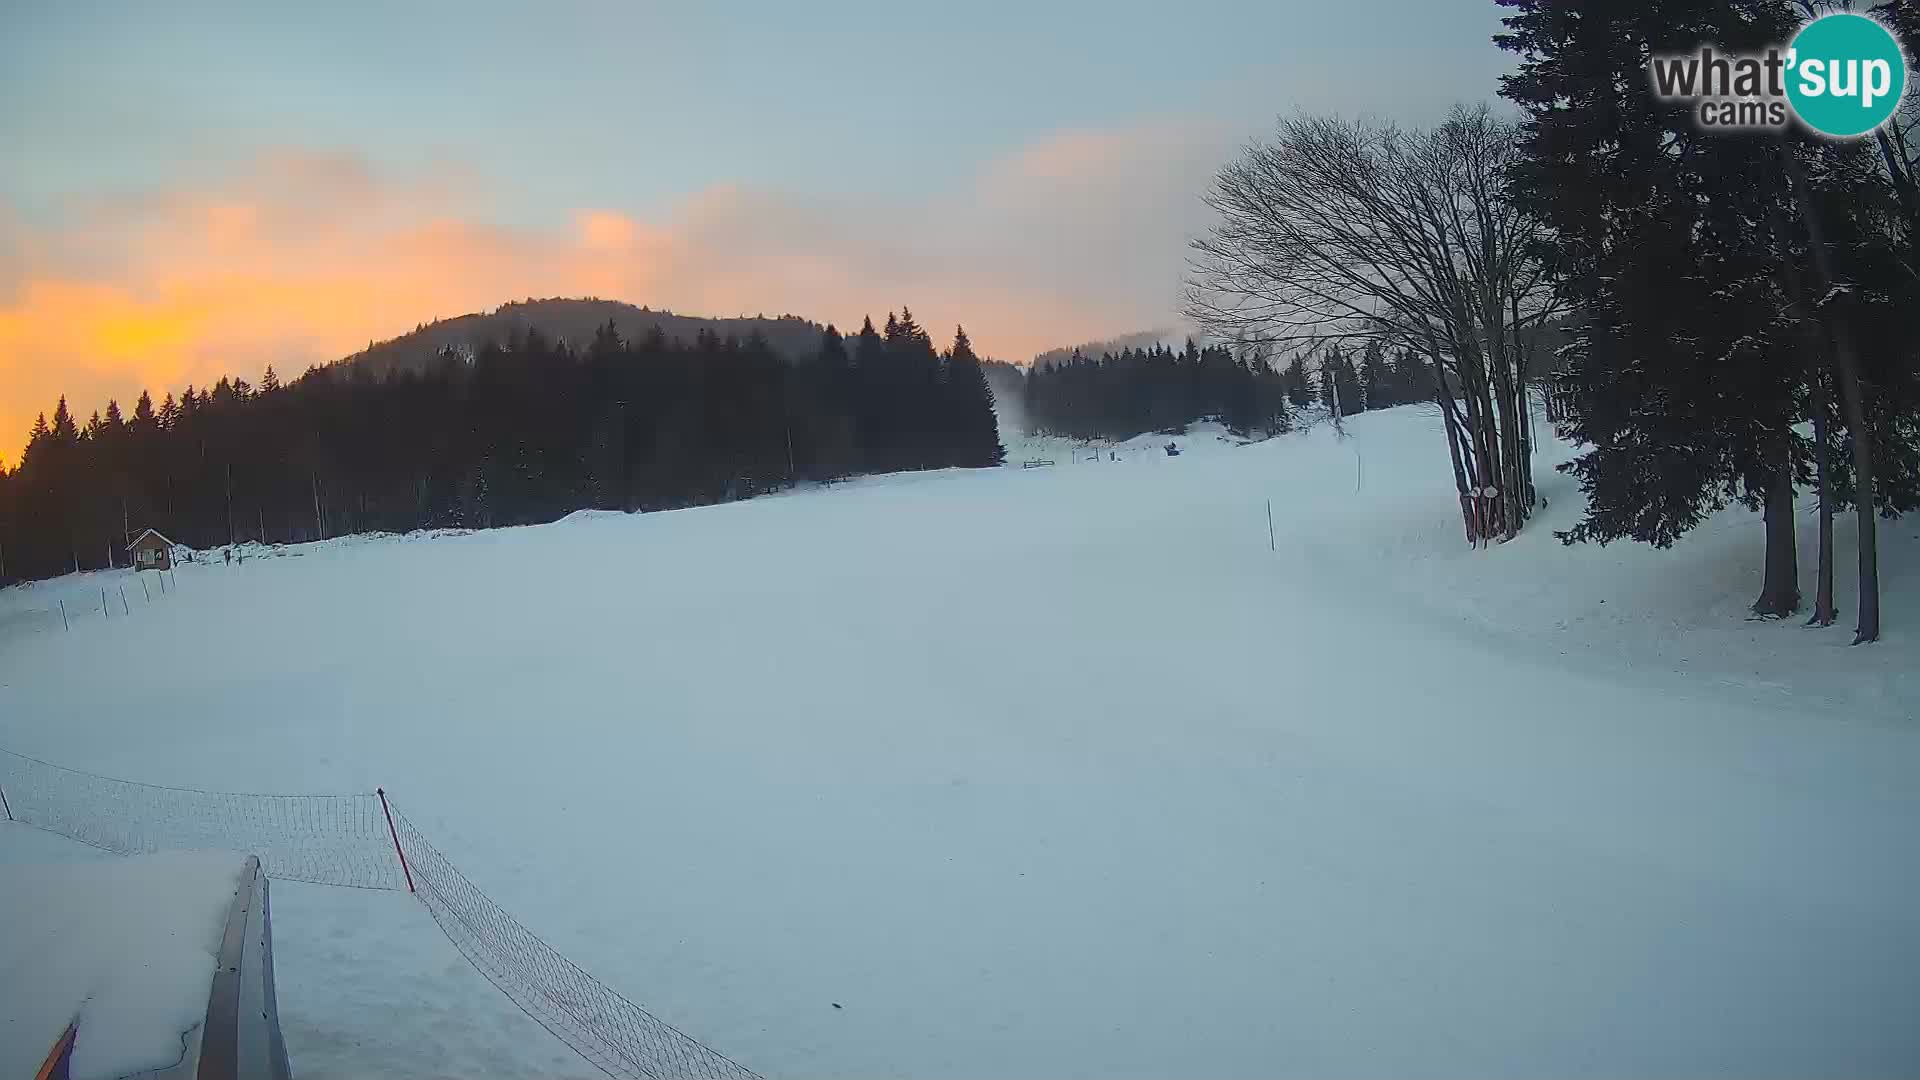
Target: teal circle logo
1845	75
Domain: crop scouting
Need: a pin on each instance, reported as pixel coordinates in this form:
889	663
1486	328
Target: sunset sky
193	189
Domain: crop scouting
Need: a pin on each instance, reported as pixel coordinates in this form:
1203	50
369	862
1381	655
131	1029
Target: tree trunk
1494	401
1810	347
1441	398
1852	400
1513	488
1824	612
1780	591
1484	464
1513	424
1498	410
319	526
1854	410
1522	354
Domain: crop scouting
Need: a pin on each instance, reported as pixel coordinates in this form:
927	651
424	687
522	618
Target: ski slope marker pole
391	831
4	805
1270	544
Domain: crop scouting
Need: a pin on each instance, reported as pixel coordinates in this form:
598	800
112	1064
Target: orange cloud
304	258
606	230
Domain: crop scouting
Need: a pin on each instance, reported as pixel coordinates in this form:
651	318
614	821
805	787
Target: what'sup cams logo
1842	75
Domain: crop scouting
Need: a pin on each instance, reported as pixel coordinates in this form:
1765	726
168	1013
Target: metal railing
350	841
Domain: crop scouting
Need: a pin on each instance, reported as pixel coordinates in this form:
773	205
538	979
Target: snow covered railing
155	967
241	1039
351	841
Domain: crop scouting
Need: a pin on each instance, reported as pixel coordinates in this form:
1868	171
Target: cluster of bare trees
1337	231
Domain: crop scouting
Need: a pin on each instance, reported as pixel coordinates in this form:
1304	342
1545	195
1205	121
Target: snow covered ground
124	948
1061	772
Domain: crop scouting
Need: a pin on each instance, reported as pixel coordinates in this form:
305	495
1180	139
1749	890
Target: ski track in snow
1061	773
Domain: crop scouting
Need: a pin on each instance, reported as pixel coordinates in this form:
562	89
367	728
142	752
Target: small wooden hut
151	551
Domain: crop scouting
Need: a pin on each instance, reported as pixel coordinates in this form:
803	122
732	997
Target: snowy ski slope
1060	772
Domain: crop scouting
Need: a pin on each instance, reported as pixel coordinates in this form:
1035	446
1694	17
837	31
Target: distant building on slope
151	551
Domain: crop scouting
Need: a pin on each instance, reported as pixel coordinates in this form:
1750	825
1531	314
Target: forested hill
574	321
1139	339
522	431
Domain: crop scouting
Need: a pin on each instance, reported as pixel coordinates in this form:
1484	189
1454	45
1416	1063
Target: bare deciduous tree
1339	230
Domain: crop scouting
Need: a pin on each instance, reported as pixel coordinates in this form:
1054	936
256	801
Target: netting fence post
395	833
4	805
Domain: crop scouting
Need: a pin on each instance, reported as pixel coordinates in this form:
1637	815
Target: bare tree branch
1340	231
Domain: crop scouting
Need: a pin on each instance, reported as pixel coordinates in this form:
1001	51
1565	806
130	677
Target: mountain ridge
574	321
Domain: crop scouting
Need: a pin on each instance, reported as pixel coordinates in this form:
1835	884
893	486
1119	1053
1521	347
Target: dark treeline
1372	382
514	433
1123	394
1120	395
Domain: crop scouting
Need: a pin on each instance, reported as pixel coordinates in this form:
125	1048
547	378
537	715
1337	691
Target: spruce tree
1681	407
878	415
1339	383
1376	382
830	390
1299	384
913	377
975	433
64	430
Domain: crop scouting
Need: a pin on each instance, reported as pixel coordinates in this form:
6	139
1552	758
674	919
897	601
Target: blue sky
195	189
631	105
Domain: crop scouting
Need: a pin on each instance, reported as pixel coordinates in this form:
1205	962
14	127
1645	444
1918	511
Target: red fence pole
391	831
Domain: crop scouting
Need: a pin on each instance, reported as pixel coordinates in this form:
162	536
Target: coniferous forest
522	431
1122	395
1743	307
